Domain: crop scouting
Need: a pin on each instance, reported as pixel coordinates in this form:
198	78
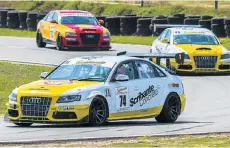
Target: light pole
216	4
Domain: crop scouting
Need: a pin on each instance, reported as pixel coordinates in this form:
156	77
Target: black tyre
59	42
23	124
98	112
171	109
39	40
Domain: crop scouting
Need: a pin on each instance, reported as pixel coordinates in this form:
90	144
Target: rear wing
179	58
164	26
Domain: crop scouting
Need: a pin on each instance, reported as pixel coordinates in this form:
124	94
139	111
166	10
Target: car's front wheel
59	42
23	124
171	109
39	40
98	112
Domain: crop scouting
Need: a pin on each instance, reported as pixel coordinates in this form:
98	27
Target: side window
49	17
55	16
126	69
158	72
163	34
145	70
168	35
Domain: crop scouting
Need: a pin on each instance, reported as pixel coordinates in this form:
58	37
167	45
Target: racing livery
72	29
96	90
204	53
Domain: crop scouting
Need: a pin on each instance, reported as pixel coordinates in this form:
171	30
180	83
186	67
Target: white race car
98	89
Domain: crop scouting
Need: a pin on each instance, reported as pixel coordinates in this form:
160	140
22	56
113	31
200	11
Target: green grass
13	75
212	140
115	39
156	8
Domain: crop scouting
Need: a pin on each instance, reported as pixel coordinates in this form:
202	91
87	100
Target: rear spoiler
179	57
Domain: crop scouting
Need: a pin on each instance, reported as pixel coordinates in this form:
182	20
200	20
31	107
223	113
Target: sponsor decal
76	14
39	89
90	62
57	82
173	85
121	90
145	96
66	107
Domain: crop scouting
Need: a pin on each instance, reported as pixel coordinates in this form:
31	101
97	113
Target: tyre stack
205	21
143	27
13	20
192	20
113	25
181	16
32	21
3	18
128	25
160	19
217	27
40	16
227	27
174	20
22	19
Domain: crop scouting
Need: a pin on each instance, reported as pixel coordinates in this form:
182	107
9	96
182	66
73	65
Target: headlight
107	34
225	56
70	34
66	99
13	97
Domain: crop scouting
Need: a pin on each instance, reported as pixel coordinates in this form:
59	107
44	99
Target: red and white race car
72	29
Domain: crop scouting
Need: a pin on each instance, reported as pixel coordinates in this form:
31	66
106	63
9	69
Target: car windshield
202	39
80	72
79	20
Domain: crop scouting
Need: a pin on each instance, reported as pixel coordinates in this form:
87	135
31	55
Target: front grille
35	106
90	38
205	61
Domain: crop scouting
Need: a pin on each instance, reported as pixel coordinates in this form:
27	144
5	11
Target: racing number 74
123	100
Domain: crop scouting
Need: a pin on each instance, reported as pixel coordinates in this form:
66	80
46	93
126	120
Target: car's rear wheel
59	43
23	124
39	40
171	109
98	112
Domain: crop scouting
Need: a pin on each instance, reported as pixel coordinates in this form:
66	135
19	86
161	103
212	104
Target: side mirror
164	40
101	22
44	74
222	41
121	77
53	21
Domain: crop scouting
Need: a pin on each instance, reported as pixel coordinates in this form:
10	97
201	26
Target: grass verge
115	39
212	140
13	75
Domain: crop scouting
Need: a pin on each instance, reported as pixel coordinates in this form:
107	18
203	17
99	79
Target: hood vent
89	30
203	49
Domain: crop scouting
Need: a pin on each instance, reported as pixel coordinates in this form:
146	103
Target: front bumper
80	41
63	114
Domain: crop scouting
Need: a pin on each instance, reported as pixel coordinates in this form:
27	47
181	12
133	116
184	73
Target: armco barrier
129	24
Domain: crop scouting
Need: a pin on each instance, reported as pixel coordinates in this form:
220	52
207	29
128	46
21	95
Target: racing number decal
123	100
122	94
52	31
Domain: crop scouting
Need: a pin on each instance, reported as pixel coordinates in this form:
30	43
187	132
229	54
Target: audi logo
90	36
205	58
35	100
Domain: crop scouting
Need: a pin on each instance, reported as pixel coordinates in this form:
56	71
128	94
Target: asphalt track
207	108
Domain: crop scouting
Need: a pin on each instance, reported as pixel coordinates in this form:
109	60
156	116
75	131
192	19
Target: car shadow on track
204	75
111	124
82	50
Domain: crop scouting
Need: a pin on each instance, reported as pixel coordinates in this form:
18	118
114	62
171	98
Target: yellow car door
46	26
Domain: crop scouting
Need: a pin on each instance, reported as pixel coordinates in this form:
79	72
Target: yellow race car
204	53
72	29
98	89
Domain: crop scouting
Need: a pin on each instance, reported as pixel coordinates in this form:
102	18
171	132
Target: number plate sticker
122	99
